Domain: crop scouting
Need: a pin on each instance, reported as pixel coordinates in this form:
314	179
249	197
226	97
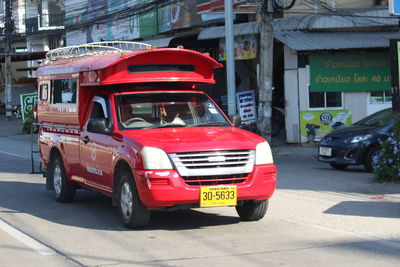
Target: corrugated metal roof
162	42
305	41
353	18
238	29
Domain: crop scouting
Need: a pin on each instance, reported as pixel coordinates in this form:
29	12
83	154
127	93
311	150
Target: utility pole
230	58
8	51
395	68
265	74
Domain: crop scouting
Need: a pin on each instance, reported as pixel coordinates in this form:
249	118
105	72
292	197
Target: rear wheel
338	166
133	213
369	159
64	190
275	127
250	210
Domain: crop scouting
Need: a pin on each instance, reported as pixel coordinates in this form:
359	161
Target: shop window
64	91
325	100
20	50
381	97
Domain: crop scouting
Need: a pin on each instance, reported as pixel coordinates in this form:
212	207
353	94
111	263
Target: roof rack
97	48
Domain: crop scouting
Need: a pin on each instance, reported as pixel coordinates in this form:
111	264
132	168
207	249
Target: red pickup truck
125	119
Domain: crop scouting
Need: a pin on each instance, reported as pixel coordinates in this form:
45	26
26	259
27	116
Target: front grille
215	179
213	163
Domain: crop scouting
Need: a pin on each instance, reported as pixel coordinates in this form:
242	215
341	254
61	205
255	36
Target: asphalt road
317	217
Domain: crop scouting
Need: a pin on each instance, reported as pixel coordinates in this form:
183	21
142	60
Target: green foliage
27	123
387	162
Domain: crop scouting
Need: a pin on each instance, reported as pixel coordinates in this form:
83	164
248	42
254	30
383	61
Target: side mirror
236	120
97	125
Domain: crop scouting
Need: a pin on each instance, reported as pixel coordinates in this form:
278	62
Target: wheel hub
57	179
126	200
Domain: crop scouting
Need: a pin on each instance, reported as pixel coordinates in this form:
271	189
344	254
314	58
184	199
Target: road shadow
93	210
312	175
379	209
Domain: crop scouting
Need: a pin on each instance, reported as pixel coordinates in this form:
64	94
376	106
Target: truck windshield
158	110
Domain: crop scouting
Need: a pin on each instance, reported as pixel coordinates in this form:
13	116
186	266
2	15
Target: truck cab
126	119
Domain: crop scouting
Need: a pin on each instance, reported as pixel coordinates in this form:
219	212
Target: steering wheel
129	121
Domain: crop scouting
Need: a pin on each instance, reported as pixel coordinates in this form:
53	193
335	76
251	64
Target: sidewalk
295	150
12	129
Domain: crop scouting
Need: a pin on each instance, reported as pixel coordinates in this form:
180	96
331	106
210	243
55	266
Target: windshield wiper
211	124
167	125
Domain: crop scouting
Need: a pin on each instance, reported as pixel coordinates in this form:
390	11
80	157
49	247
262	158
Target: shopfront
342	84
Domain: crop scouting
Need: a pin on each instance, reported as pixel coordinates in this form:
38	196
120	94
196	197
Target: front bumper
166	188
344	155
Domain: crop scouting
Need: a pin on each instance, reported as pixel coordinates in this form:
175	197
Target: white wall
304	82
357	103
292	121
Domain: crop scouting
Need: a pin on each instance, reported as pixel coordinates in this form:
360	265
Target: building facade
337	67
331	58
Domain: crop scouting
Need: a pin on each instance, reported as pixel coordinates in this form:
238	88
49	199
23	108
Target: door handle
86	139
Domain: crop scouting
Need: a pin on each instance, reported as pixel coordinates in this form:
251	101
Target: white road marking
14	155
27	240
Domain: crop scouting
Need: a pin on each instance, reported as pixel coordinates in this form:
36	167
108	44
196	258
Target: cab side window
97	111
100	108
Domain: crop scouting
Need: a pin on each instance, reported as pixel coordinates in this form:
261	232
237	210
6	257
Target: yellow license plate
213	196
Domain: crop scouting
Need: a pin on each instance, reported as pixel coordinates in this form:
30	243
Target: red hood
173	140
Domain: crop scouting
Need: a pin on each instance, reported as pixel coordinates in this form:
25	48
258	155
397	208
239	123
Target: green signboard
28	102
148	22
350	72
316	124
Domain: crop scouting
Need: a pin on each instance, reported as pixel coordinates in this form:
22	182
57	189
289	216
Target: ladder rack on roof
97	48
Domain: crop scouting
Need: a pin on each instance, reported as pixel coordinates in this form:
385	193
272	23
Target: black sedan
358	143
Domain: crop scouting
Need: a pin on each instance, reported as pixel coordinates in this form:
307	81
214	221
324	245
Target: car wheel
338	166
250	210
64	190
275	128
369	158
133	213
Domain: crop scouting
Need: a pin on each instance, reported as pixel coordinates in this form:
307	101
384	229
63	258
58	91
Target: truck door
95	149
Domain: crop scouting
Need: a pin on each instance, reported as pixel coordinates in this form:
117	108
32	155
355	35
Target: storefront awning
238	29
162	42
306	41
25	56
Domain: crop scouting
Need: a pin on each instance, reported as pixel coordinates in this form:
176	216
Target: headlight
155	159
263	154
360	138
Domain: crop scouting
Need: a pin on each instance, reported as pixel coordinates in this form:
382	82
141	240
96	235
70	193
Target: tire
275	127
252	211
369	159
133	213
338	166
64	190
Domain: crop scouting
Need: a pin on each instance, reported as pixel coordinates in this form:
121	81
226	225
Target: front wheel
64	190
250	210
369	159
133	213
